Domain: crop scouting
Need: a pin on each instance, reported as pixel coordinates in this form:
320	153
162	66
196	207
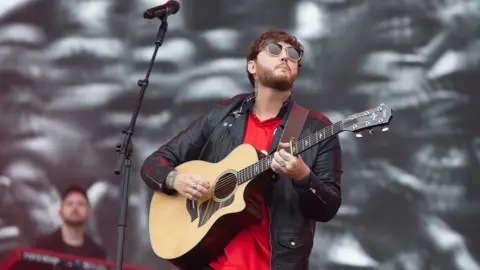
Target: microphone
162	11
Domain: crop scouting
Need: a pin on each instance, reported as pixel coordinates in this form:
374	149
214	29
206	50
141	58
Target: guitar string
244	174
267	161
335	128
228	180
231	179
248	170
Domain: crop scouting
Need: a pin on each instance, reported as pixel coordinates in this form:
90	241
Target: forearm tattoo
171	179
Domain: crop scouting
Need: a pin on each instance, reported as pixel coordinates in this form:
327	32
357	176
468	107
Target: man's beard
74	223
279	82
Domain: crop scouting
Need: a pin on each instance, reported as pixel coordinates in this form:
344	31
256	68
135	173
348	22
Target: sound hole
224	186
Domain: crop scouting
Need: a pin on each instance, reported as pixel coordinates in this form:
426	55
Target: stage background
68	73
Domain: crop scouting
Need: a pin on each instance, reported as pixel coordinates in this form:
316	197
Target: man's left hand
287	165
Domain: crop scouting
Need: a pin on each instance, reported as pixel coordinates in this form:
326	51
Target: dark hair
273	36
74	189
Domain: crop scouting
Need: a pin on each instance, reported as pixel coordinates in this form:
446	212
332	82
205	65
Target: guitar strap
295	121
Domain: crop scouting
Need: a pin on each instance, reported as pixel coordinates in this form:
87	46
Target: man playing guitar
306	187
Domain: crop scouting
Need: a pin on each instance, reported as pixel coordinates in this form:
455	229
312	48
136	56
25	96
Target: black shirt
54	242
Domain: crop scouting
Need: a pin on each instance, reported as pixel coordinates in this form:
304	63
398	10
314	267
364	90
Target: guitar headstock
376	118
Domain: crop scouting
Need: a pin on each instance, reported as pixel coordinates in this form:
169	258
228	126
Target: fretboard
264	164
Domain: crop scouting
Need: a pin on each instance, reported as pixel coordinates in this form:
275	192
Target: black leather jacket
294	207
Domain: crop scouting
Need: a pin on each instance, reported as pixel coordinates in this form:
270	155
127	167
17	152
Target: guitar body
190	234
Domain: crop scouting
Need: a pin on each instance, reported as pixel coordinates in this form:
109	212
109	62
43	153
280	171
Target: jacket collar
249	103
238	126
239	117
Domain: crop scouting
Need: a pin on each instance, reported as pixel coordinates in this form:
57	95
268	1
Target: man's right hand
190	186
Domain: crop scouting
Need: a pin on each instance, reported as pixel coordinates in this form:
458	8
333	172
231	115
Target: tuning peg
385	129
359	135
371	131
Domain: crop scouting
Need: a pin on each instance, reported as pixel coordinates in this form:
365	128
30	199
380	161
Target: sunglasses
276	49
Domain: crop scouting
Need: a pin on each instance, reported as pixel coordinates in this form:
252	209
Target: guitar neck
264	164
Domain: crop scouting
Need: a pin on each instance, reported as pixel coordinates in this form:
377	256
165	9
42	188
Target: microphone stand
125	149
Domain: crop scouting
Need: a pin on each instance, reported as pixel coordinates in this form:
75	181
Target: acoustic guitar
189	234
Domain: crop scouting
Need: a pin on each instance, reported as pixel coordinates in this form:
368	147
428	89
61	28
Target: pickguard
192	207
210	207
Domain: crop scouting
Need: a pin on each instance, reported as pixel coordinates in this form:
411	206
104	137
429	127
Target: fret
299	146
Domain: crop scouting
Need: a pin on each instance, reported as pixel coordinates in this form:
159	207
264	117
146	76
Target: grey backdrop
68	72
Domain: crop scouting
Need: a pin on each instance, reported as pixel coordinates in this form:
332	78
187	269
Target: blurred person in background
46	111
36	142
71	237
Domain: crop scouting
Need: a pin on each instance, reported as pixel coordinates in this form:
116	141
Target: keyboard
37	259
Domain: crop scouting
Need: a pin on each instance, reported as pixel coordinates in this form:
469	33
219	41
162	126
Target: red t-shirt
250	248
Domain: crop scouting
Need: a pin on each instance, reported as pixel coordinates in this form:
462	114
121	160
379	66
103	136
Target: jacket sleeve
184	147
320	192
